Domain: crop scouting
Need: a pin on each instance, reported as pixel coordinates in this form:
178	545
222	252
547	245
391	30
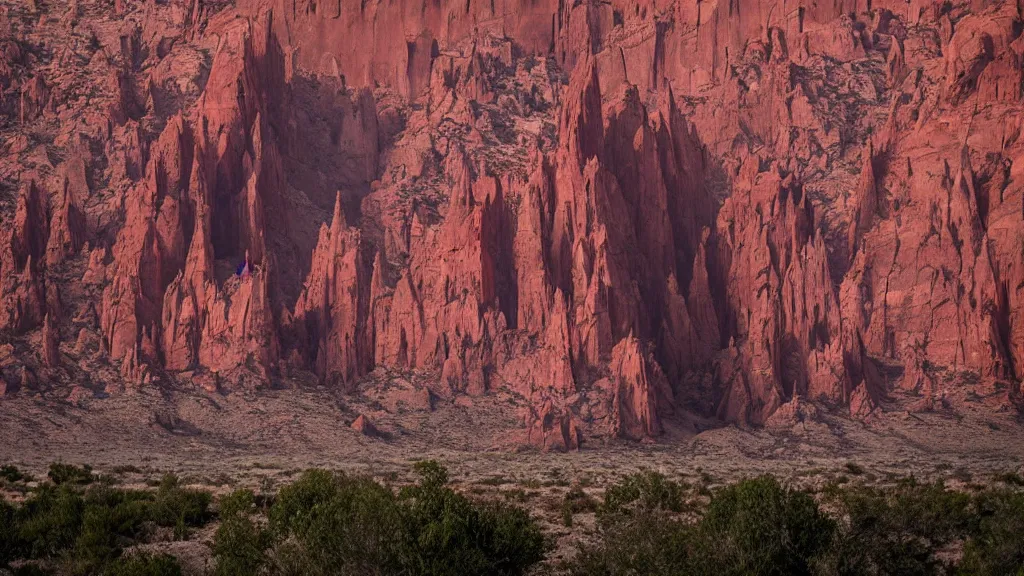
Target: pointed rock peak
26	190
581	125
869	158
672	286
177	124
867	171
964	181
198	177
66	228
323	238
965	162
460	171
50	344
30	225
75	181
639	386
378	282
338	223
705	235
199	263
861	403
670	116
895	58
667	102
867	201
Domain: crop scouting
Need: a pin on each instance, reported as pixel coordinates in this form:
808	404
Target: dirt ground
264	439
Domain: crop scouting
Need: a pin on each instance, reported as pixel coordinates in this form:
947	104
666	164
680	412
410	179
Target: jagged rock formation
330	316
51	344
620	213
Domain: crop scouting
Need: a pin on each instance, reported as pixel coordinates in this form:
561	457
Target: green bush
996	547
1010	478
12	474
50	520
140	564
454	535
111	519
239	544
898	531
576	501
336	522
644	492
30	570
760	528
179	508
755	527
9	548
81	527
70	474
326	523
651	543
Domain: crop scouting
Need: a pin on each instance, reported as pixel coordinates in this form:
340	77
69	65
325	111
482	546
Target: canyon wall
625	213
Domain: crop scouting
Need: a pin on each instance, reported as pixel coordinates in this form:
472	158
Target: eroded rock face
51	343
620	212
364	426
331	314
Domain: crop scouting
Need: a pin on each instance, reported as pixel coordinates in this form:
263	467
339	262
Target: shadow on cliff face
331	145
743	241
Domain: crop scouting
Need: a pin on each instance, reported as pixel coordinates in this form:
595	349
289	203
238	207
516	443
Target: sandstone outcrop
617	213
364	426
331	314
553	429
51	343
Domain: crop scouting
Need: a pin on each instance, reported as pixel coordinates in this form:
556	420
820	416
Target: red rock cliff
621	212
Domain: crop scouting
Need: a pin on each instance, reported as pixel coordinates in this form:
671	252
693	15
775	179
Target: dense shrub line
331	523
77	525
324	523
758	527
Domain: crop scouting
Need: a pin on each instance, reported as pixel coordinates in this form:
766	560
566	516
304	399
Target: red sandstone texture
620	212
